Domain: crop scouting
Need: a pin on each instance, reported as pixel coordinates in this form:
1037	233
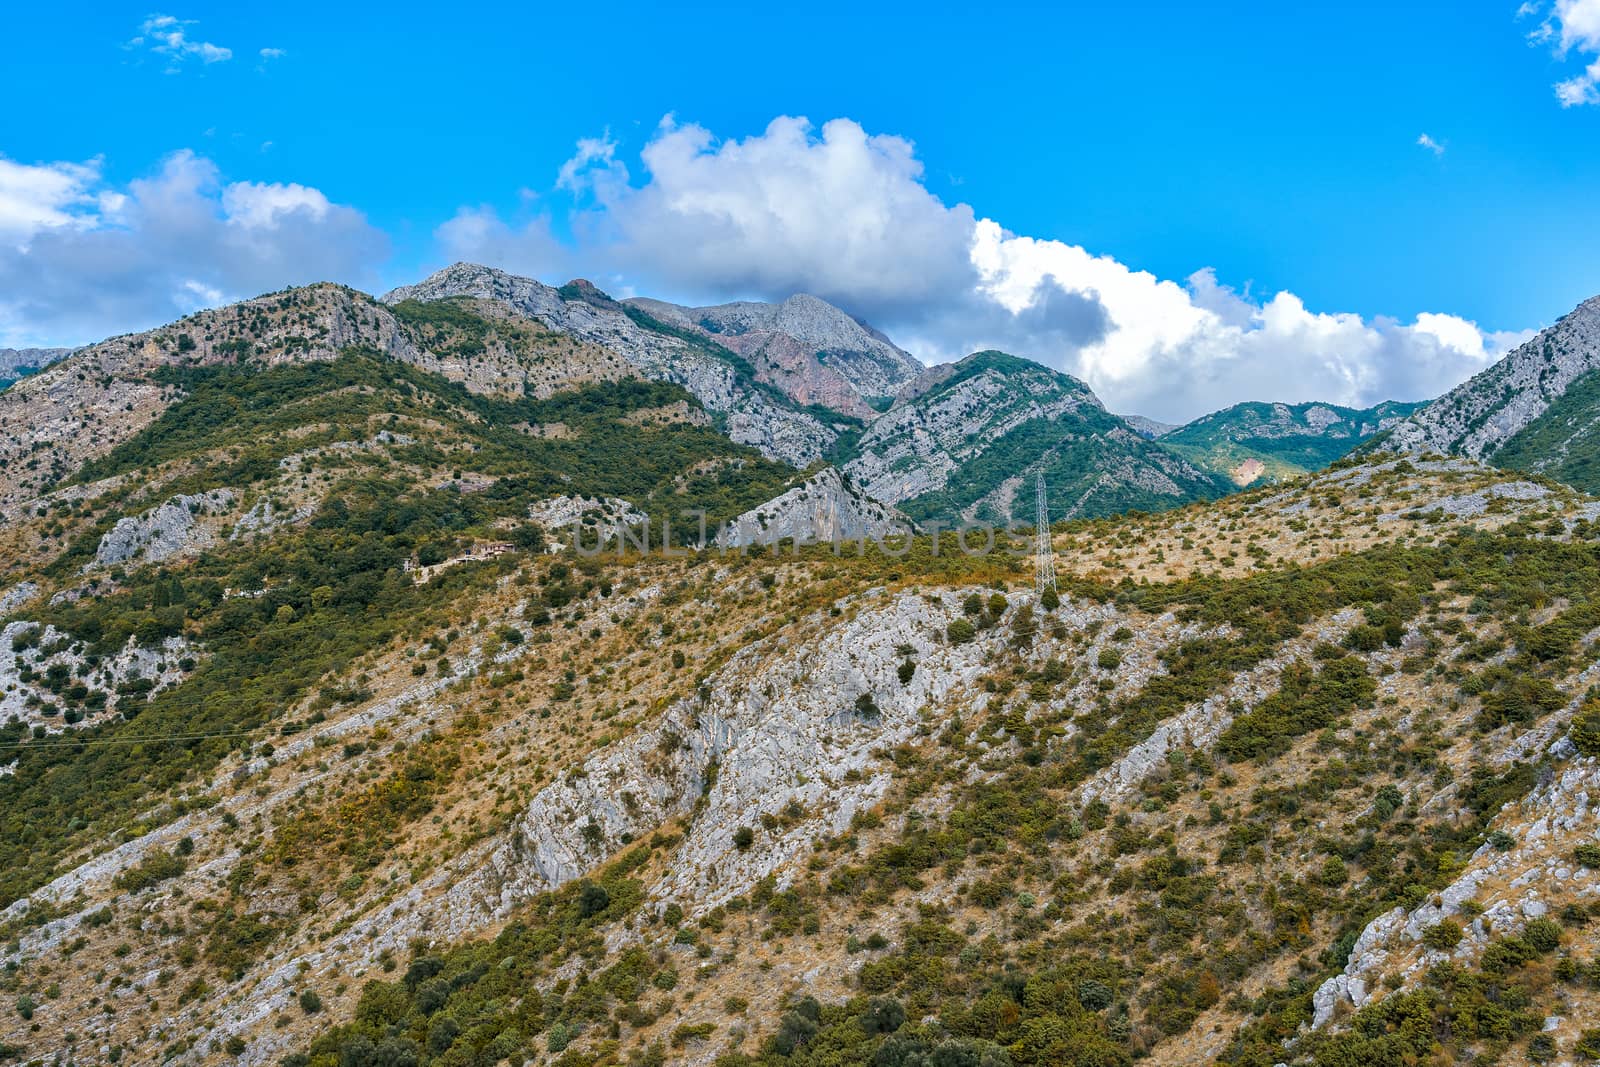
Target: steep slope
1248	442
80	408
825	508
749	411
960	441
817	809
1483	414
814	352
1563	442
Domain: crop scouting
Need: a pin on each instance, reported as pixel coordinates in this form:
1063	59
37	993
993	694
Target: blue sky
1277	147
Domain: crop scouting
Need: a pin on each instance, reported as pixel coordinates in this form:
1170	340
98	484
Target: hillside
1251	442
776	808
1483	414
960	443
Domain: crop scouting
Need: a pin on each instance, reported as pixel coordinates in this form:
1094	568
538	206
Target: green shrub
960	632
155	868
1443	935
1585	732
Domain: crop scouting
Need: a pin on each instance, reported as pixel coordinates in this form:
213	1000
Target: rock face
751	416
1479	416
914	447
805	346
825	507
1149	427
164	531
38	656
961	441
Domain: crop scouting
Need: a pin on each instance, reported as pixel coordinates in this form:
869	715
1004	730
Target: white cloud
1430	144
44	196
81	259
595	156
1568	27
169	37
263	204
834	211
846	215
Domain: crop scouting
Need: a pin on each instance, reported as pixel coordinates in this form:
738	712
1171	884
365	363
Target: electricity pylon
1044	569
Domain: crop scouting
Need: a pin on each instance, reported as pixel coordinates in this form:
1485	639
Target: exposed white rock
265	517
598	521
1199	725
17	595
28	652
825	507
1485	412
164	531
1544	826
871	363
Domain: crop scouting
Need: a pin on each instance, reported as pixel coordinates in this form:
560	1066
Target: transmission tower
1044	570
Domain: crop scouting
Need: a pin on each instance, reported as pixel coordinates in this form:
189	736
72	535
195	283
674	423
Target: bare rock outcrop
163	532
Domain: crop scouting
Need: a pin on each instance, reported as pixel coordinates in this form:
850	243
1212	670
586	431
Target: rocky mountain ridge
752	416
959	442
826	354
1482	414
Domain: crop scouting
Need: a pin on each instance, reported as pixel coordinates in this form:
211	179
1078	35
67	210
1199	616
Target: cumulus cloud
846	215
1424	141
81	259
1570	27
169	38
833	211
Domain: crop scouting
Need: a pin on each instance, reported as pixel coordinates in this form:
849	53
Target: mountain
1149	427
1484	414
963	440
806	347
18	363
1251	441
749	410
